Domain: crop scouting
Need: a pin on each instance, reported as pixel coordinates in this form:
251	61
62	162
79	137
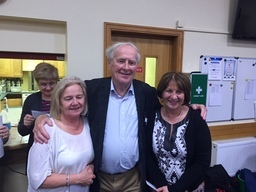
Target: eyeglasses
51	84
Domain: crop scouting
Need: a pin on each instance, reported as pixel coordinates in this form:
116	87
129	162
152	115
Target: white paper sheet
151	185
1	148
250	89
35	114
214	70
215	94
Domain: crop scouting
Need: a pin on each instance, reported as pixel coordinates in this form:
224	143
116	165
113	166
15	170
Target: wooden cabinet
17	68
6	67
14	99
61	68
2	105
60	65
15	102
10	68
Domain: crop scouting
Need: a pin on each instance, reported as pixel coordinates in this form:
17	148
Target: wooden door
165	45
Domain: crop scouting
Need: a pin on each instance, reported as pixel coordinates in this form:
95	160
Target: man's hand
40	134
202	108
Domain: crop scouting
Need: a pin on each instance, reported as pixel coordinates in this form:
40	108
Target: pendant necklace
170	137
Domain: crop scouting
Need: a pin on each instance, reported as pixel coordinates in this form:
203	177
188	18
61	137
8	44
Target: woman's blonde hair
58	91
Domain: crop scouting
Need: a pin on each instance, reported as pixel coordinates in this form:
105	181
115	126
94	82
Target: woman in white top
63	164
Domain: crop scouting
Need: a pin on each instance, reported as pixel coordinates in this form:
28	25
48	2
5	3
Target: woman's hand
28	120
162	189
4	133
86	176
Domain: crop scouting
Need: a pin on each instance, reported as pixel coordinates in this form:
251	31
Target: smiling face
124	65
172	97
72	101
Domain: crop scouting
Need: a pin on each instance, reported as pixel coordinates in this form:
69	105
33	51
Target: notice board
245	89
220	86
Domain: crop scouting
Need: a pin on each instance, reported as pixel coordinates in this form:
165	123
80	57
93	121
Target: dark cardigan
32	102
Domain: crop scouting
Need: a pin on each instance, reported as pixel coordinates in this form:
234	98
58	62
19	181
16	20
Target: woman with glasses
46	76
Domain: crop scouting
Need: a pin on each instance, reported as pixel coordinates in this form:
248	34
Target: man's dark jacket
98	91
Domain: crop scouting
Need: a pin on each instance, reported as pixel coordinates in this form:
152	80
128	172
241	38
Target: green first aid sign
198	88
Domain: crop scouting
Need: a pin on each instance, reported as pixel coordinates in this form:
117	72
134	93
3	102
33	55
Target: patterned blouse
171	151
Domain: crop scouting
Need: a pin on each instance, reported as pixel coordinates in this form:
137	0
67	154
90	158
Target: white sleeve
39	168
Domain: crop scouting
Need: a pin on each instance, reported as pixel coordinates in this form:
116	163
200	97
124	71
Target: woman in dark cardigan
46	76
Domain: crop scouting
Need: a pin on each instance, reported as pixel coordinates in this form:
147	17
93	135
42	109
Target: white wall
32	36
80	34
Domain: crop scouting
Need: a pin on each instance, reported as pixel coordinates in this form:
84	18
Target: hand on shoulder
40	134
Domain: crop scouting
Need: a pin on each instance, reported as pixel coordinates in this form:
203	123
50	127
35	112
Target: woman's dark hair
182	81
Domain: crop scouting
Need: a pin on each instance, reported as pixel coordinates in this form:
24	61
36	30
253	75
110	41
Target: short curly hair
45	71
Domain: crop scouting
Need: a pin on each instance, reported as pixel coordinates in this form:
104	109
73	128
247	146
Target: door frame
176	37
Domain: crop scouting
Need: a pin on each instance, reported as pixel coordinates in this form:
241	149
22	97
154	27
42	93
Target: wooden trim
232	131
26	55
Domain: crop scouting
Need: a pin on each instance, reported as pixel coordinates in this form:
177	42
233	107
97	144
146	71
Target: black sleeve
26	109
